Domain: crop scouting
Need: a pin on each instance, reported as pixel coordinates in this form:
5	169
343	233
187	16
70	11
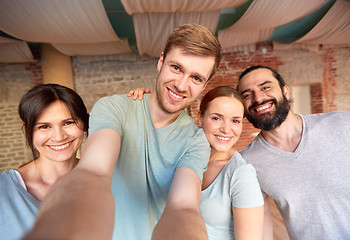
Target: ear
160	61
200	120
286	91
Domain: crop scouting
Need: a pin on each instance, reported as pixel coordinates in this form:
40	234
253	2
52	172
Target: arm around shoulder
80	205
181	218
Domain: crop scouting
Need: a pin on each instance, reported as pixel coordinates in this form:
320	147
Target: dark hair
39	98
274	73
223	91
196	40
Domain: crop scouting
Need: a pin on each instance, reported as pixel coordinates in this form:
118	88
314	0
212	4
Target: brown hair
196	40
39	98
223	91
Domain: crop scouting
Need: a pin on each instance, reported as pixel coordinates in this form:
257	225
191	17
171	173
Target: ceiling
95	27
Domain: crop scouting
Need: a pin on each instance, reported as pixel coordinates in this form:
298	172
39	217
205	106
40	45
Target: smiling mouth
175	95
261	107
60	147
223	138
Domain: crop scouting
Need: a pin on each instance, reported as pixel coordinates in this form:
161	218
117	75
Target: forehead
255	78
55	111
225	105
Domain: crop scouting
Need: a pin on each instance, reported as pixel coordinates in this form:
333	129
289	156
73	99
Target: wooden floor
279	230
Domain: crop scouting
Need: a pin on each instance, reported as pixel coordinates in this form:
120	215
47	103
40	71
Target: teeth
174	95
60	147
223	138
262	108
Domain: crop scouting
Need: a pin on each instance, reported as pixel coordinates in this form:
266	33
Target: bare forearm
79	206
180	224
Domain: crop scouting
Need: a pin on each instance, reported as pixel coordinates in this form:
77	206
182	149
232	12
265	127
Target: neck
221	156
50	171
40	174
288	135
160	117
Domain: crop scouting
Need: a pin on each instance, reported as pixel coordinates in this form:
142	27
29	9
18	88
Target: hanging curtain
171	6
14	51
259	21
61	22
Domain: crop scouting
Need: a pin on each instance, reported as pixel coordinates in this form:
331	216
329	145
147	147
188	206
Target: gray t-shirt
310	185
18	208
147	160
235	186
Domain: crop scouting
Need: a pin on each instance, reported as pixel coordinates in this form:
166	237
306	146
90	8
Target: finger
130	93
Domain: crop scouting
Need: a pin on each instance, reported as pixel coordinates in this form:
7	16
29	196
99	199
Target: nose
258	97
225	127
58	134
181	84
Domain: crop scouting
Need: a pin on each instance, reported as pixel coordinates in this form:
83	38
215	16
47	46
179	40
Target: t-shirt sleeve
197	156
245	189
108	113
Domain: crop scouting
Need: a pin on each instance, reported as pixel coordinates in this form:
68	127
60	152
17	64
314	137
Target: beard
270	120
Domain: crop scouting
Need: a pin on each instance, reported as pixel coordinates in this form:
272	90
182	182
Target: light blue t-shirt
18	208
235	186
147	160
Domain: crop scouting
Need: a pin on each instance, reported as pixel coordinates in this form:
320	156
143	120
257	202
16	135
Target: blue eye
198	79
175	67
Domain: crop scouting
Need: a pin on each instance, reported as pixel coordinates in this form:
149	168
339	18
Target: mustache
256	104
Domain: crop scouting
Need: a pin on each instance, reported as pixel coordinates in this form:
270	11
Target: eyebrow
218	114
259	85
64	120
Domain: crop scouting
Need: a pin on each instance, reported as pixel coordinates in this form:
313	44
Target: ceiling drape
90	27
73	25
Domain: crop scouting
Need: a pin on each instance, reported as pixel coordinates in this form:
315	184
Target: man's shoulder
254	148
117	102
320	120
114	99
188	124
327	115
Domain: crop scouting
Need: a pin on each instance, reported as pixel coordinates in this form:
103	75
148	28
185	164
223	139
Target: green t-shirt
147	160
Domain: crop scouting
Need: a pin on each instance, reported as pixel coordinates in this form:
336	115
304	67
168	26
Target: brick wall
15	80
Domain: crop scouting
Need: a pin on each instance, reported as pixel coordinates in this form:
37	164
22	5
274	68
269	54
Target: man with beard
302	161
149	154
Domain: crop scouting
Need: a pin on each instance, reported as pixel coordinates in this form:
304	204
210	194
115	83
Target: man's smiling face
266	105
182	77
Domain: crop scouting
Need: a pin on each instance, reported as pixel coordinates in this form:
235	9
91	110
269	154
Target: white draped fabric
171	6
82	27
14	51
155	19
61	22
334	27
104	48
272	13
259	21
153	29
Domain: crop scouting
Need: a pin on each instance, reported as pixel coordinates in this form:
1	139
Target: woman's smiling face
222	122
57	136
